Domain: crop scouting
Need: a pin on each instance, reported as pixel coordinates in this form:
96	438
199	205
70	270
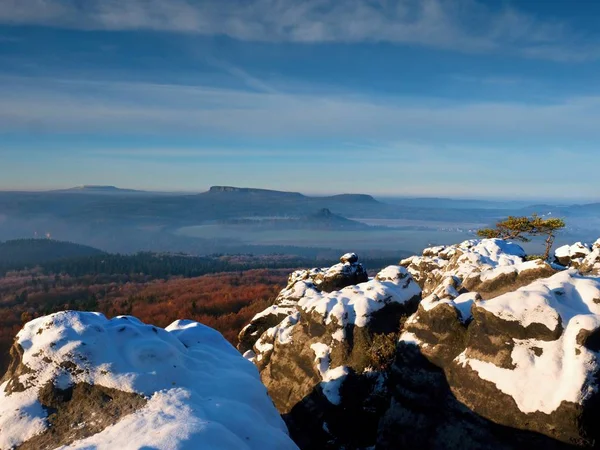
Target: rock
323	364
590	265
144	386
489	266
302	283
349	258
526	359
498	352
572	255
424	414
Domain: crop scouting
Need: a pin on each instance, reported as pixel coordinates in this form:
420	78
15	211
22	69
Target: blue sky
432	97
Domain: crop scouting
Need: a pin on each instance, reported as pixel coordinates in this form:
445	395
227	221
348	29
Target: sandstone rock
302	283
322	363
490	267
526	359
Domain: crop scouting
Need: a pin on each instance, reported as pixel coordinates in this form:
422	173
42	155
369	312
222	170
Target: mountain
129	221
251	191
97	189
324	218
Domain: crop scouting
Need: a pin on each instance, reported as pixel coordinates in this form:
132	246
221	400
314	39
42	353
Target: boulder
572	255
590	265
80	380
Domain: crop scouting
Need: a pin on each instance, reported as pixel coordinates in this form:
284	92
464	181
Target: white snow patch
410	338
564	370
578	249
462	303
332	381
355	304
332	378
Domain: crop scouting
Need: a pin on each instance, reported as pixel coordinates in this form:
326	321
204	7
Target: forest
224	301
42	276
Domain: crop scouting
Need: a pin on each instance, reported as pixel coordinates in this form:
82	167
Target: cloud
47	106
459	25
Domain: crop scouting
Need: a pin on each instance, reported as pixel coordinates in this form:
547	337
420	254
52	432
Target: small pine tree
519	228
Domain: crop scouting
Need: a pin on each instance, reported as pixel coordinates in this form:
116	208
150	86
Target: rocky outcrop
526	359
572	255
83	381
490	267
302	283
324	364
500	352
584	257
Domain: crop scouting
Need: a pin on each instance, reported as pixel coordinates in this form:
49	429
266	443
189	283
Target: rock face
323	361
526	359
498	352
81	380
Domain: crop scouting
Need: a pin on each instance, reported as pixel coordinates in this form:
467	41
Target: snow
332	382
516	268
566	367
332	378
486	254
281	333
202	392
487	258
355	304
576	250
462	303
409	338
274	310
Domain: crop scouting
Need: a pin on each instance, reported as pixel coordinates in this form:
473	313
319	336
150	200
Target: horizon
446	98
382	197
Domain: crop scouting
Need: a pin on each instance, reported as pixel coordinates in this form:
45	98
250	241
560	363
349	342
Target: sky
462	98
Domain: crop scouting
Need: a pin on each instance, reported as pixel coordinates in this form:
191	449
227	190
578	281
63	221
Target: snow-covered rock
488	266
591	263
527	359
572	255
80	380
301	284
324	347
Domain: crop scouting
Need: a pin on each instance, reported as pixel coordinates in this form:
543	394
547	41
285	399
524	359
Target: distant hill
351	198
97	189
250	191
38	251
324	218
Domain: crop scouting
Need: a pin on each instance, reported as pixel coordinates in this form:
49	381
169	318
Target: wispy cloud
460	25
71	106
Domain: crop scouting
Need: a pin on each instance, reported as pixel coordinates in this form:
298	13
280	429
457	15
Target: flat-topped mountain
98	189
346	198
254	191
